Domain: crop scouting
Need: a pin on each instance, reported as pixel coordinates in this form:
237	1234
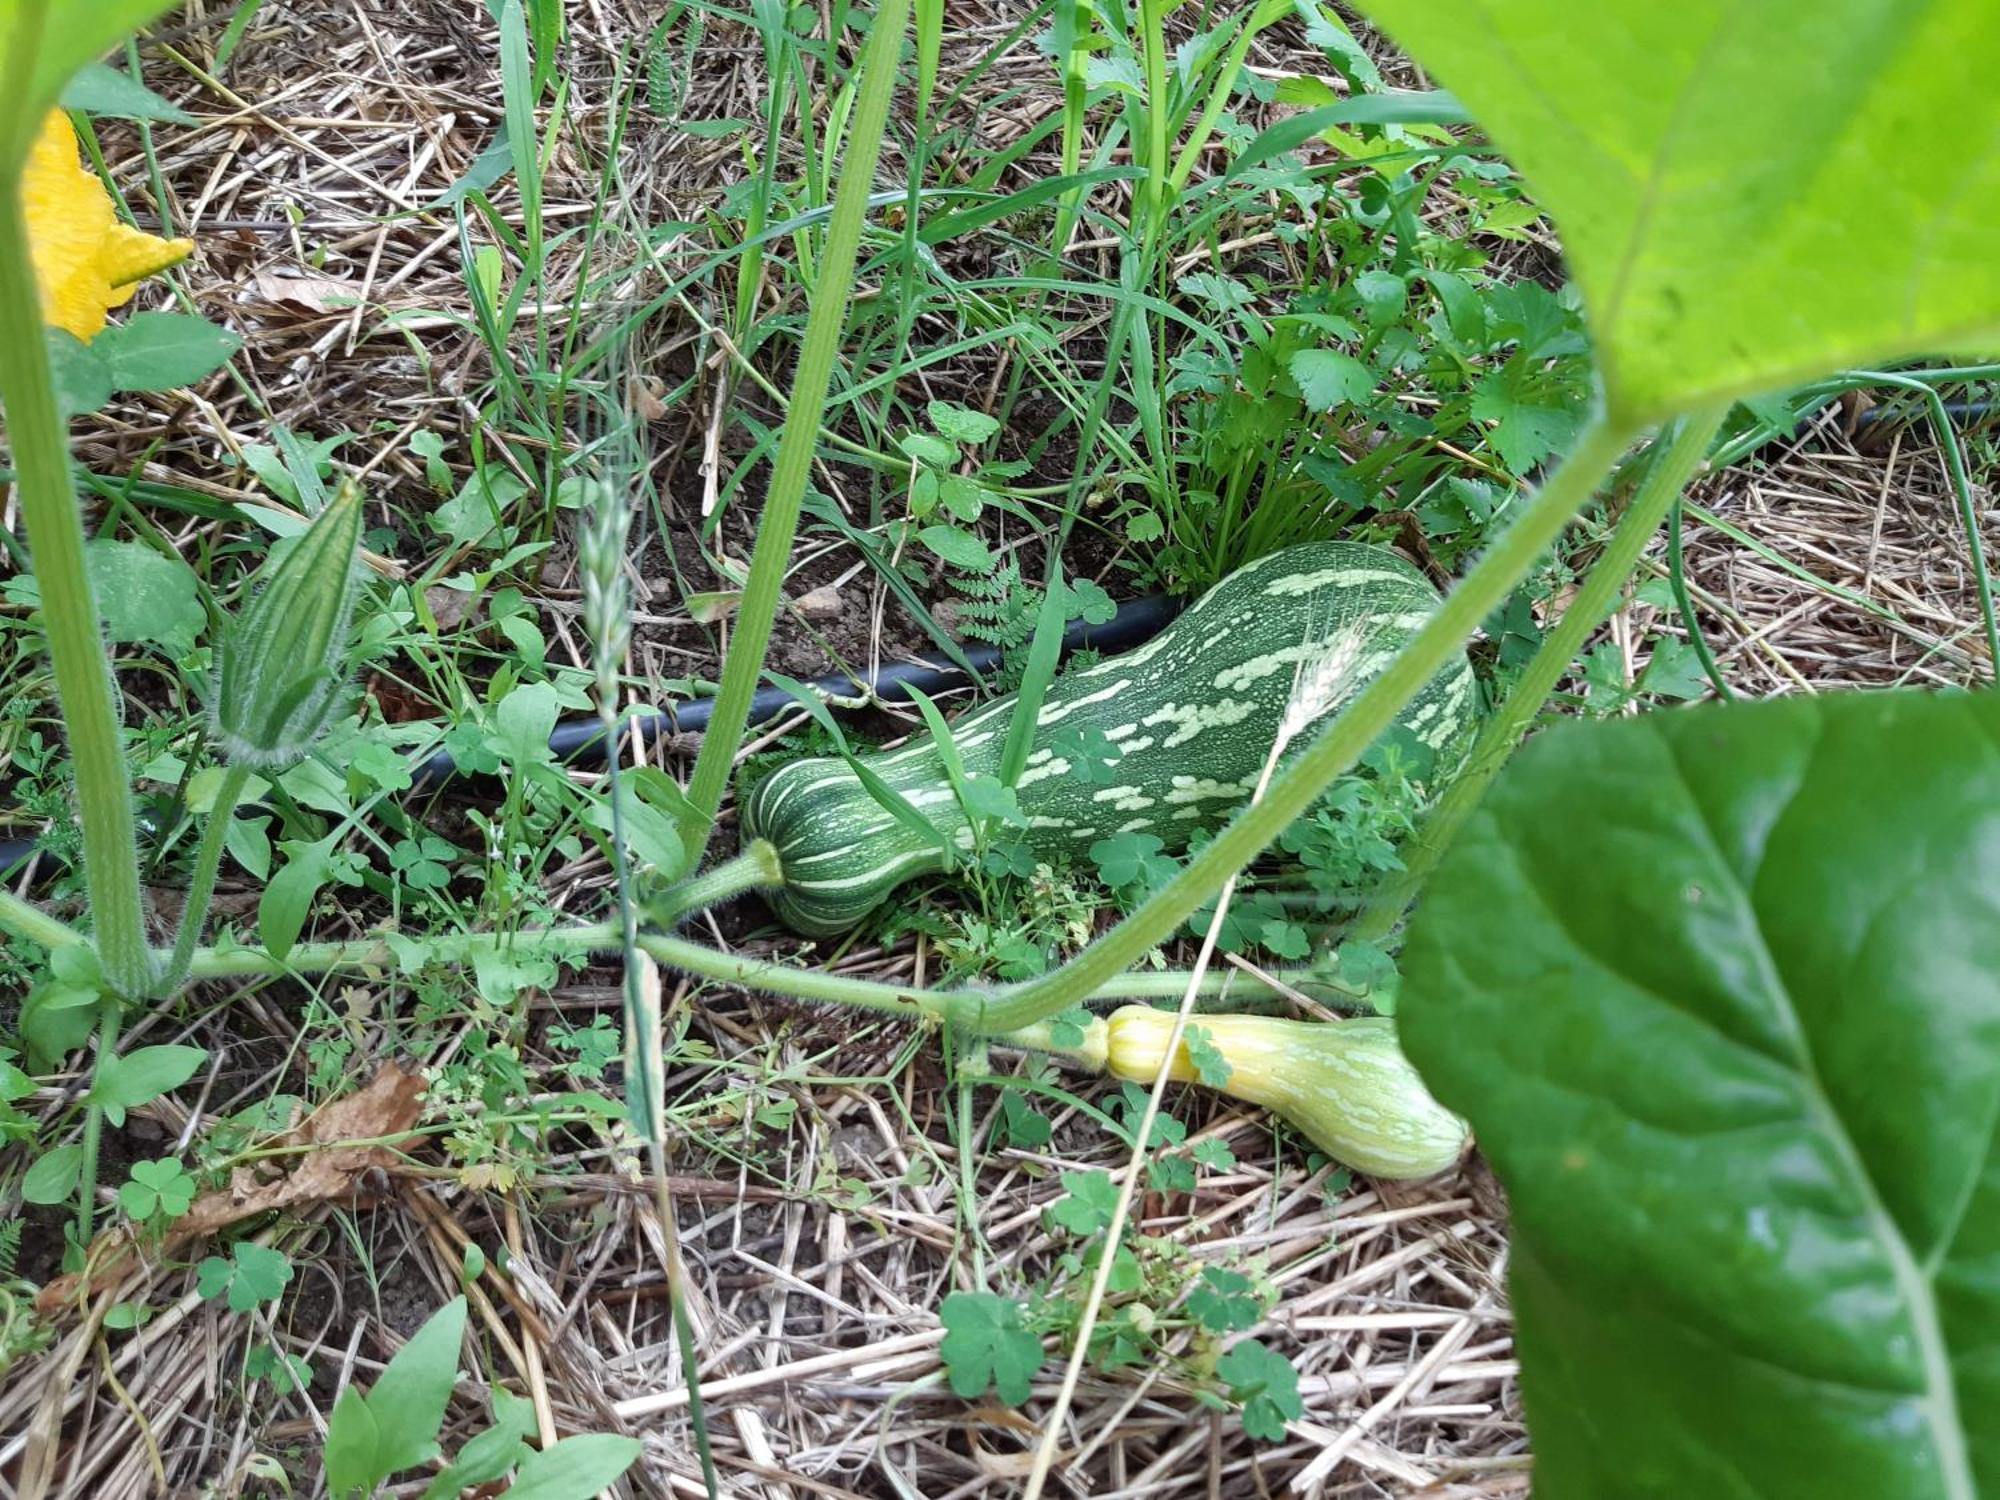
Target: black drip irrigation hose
582	741
1958	411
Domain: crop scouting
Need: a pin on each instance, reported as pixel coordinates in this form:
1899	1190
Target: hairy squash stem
1350	733
1661	488
755	868
110	1012
69	610
676	953
27	920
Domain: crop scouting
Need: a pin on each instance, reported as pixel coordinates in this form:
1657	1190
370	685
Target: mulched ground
819	1261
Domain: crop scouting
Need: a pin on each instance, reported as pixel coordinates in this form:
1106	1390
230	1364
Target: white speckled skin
1194	712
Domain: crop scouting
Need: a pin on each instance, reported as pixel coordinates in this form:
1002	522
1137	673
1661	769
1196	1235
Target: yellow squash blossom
86	261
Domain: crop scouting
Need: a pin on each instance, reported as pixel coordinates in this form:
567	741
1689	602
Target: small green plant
394	1427
999	606
945	502
988	1344
1264	1383
994	1343
1155	1290
248	1277
156	1192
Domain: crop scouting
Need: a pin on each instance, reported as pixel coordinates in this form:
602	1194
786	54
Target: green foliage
1087	1205
282	665
147	597
40	60
573	1468
286	1373
395	1425
948	500
252	1274
998	606
149	351
1315	337
1695	294
1210	1066
1130	1107
1225	1301
124	1082
98	89
1266	1385
595	1047
1331	860
1067	1026
1303	427
1093	757
1718	995
1018	1123
988	1343
156	1190
1131	859
52	1176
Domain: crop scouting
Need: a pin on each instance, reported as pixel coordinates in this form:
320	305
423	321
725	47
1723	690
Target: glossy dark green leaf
1719	990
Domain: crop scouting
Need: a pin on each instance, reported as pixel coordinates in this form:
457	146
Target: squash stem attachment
235	962
755	868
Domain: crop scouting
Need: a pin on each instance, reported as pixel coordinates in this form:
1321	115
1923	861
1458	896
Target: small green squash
1193	713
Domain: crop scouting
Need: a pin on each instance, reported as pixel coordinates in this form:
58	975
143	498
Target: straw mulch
822	1240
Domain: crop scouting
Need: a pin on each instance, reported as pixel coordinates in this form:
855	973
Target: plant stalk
201	884
1337	749
755	868
1153	51
1658	492
110	1012
69	611
832	291
29	921
708	963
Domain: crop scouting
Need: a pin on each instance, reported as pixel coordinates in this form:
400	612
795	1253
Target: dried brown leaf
321	1160
313	294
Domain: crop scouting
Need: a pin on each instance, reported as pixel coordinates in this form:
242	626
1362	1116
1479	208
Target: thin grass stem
1661	489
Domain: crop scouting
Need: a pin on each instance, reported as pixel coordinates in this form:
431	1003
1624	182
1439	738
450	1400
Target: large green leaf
1749	194
1719	990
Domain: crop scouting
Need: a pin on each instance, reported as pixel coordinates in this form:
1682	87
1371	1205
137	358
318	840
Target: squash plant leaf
1749	195
1719	990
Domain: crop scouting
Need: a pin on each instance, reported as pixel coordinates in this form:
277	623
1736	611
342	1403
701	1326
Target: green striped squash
1193	713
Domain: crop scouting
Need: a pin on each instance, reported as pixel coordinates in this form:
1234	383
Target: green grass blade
832	291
